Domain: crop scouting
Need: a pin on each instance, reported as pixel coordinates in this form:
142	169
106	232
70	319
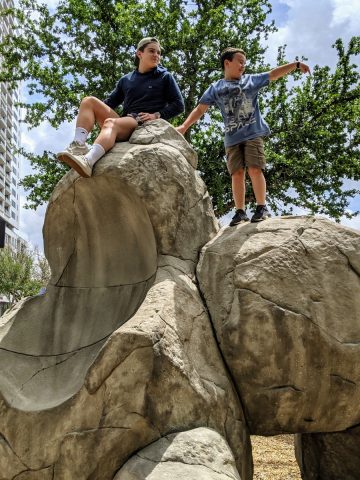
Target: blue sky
307	27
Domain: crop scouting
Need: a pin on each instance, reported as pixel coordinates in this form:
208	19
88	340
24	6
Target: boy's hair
228	54
142	45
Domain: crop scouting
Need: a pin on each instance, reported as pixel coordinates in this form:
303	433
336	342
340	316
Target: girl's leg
91	111
113	129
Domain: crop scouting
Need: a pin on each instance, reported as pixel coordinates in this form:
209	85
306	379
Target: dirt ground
274	458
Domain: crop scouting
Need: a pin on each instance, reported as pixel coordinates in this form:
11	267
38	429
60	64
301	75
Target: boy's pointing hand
304	68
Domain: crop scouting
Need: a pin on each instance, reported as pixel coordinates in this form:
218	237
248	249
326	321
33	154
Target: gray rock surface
120	351
329	456
162	132
159	372
284	297
199	454
102	238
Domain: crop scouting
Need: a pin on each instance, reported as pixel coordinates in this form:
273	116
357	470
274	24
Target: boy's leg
255	161
235	165
238	188
258	183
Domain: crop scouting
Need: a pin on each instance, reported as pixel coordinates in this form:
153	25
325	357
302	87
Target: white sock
80	135
95	153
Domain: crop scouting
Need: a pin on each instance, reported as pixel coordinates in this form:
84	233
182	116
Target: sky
308	27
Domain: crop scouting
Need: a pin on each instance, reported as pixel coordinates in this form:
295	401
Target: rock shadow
101	248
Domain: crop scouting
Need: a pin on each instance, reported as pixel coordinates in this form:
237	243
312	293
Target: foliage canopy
22	273
84	47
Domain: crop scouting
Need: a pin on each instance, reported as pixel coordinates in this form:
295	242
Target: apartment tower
9	142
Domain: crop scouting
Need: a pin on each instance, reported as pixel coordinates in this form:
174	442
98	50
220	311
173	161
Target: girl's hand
144	117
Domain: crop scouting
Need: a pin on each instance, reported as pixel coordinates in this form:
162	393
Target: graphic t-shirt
238	103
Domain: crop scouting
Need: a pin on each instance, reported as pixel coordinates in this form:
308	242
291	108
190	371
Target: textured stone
329	456
43	474
11	465
162	132
159	372
120	351
162	176
199	454
284	297
102	238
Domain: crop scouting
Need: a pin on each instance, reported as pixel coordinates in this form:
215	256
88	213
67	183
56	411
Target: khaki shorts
246	154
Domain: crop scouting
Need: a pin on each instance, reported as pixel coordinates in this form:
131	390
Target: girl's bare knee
88	99
109	123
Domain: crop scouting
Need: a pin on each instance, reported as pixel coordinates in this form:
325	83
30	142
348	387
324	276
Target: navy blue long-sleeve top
150	92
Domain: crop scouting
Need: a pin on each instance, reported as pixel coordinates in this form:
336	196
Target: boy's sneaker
261	213
240	216
77	162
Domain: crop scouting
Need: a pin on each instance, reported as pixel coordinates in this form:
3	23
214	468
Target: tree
22	273
316	136
82	48
41	272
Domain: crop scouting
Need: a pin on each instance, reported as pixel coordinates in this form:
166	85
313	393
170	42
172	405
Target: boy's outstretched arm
193	117
280	72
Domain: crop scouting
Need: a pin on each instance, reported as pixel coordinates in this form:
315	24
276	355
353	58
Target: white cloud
352	222
45	137
31	223
313	26
310	30
346	13
36	141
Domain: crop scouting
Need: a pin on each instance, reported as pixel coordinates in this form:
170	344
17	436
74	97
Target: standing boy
236	95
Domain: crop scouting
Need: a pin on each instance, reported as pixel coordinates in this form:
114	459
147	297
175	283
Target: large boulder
120	351
284	298
199	454
329	456
102	239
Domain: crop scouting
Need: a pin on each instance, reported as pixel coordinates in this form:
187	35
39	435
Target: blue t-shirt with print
238	103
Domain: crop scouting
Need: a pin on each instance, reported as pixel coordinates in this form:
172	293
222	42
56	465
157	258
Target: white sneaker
77	162
76	148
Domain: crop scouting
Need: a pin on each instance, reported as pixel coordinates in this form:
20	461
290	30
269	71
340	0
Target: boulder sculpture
284	298
144	361
120	351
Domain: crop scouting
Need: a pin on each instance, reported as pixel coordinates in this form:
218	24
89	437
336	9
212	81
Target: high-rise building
9	142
